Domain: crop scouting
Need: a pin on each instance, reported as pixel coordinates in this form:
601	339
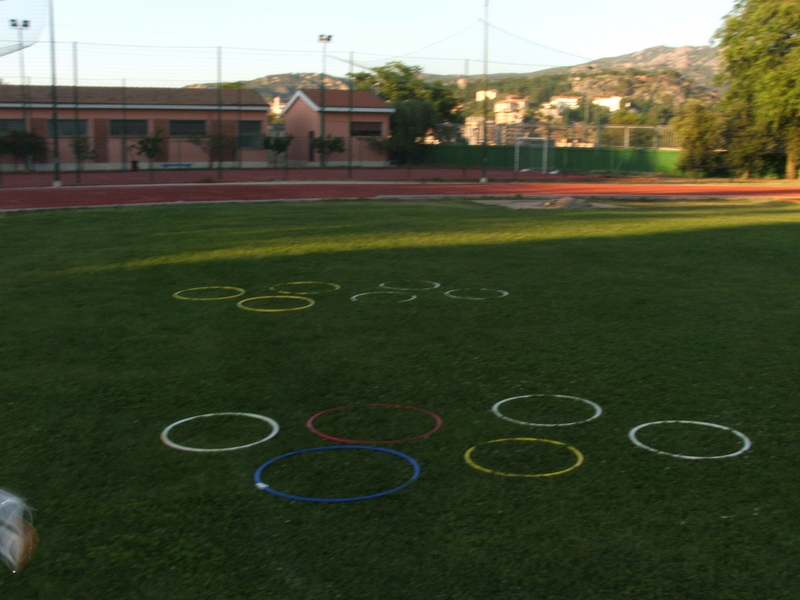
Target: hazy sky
438	35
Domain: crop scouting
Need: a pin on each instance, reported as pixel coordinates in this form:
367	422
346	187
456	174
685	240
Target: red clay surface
30	191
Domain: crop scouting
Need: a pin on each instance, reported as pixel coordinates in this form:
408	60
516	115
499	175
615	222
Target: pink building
114	119
358	116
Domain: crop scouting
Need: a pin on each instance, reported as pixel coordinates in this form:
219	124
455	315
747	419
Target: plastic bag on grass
18	538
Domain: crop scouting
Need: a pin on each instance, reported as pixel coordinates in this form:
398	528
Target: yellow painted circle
575	451
180	296
333	287
310	302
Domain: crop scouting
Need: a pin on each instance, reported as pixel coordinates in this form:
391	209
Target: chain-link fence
210	106
576	135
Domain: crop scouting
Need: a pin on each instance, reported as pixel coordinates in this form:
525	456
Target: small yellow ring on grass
240	304
239	291
575	451
334	287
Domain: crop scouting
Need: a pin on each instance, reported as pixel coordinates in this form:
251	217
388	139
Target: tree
4	149
411	122
760	49
397	82
419	106
279	145
82	150
216	146
746	142
699	131
329	145
25	146
150	147
637	138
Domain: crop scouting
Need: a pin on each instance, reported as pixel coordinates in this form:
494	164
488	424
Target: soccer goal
531	154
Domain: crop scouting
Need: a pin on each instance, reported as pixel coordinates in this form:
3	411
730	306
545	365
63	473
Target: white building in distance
612	103
558	105
511	110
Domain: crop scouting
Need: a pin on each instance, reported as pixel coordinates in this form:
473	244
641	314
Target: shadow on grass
373	227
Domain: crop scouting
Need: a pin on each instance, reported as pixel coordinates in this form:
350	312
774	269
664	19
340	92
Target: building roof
133	97
339	101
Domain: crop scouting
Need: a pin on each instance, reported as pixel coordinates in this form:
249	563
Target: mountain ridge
696	63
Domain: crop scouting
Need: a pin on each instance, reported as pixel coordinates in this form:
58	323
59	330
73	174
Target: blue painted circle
264	487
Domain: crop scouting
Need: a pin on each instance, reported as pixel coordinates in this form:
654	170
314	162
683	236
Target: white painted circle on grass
746	443
171	444
238	292
597	410
332	287
432	286
413	296
498	294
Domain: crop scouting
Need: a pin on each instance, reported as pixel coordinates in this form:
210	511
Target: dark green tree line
760	48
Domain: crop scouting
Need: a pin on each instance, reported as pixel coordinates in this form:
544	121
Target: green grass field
685	312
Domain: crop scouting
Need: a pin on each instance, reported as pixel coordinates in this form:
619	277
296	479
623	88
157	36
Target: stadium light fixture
21	26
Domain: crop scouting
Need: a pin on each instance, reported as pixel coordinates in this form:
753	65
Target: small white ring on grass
171	444
410	289
597	410
413	296
451	294
746	443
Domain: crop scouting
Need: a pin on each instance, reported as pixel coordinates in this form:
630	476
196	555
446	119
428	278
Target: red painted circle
436	418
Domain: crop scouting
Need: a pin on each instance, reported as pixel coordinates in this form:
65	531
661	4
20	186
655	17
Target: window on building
69	128
366	129
8	125
250	135
127	127
185	127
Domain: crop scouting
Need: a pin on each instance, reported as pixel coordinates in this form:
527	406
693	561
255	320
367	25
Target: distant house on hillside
114	118
358	117
473	131
510	111
558	105
612	103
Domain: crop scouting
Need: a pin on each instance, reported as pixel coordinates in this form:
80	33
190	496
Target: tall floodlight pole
350	119
21	26
56	165
324	40
217	140
485	153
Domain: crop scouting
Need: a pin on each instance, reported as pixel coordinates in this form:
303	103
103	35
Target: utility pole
56	159
324	40
466	83
76	114
485	153
216	143
350	120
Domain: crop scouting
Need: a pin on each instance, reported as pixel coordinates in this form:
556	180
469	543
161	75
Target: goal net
531	154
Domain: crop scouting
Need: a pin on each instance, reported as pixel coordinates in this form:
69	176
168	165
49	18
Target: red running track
74	196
